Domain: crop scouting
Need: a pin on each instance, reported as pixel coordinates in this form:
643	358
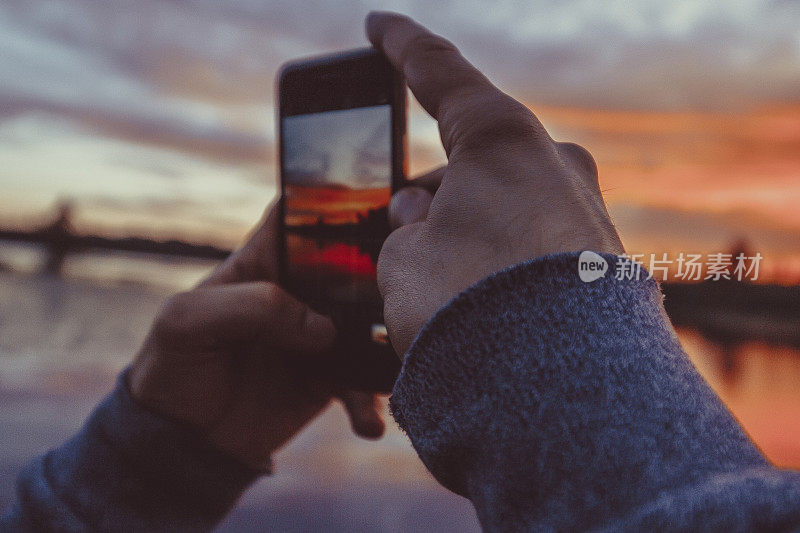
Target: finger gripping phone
341	130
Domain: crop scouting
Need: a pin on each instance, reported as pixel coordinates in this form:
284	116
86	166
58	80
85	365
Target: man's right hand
509	192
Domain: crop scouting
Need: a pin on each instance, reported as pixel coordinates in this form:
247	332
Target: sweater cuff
132	469
535	392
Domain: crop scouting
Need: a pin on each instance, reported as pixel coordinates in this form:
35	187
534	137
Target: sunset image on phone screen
337	185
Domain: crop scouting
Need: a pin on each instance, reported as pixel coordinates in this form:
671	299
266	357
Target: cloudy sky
156	116
350	147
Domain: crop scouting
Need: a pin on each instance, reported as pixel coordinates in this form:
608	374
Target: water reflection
760	383
63	340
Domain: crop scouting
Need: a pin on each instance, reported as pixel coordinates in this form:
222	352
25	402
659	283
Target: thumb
244	312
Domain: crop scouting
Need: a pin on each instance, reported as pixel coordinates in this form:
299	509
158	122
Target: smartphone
341	131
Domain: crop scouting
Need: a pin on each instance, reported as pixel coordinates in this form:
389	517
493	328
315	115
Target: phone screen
337	183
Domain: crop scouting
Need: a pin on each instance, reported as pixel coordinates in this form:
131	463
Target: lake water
62	341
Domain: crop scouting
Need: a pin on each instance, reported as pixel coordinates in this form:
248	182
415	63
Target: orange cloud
693	160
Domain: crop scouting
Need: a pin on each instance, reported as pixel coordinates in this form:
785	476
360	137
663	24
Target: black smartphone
341	131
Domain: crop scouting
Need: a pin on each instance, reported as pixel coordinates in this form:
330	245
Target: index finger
443	81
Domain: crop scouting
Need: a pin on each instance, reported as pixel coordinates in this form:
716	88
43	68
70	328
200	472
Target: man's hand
216	358
509	192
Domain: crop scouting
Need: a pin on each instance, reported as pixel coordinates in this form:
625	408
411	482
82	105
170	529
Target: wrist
585	226
185	397
128	461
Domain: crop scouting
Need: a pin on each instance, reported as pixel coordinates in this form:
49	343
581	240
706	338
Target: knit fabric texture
558	404
128	470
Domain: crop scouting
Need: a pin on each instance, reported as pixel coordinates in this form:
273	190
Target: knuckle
174	321
286	311
517	123
579	157
267	294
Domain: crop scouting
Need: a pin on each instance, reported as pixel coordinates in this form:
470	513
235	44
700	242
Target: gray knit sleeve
558	404
128	470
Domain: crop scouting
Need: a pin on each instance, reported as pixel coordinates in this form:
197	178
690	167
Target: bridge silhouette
59	239
729	314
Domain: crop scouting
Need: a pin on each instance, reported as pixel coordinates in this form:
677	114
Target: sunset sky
334	205
156	117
